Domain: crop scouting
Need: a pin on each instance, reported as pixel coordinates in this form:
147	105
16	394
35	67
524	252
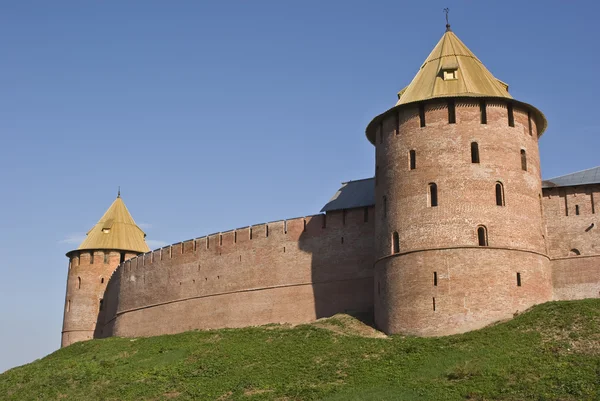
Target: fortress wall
466	191
290	271
467	296
573	243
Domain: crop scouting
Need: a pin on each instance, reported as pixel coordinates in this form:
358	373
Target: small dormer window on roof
449	71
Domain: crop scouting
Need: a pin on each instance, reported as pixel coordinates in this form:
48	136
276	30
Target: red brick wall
574	276
286	271
82	302
466	199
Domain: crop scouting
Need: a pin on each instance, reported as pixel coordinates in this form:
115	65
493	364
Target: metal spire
447	11
119	192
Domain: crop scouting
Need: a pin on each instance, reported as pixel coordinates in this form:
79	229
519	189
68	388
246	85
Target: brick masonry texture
541	245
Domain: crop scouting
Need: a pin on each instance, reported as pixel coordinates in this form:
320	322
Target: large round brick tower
112	240
459	233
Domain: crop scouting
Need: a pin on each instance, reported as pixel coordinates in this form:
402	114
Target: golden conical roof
452	70
116	230
472	78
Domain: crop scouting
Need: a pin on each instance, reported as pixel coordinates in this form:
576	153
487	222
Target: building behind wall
456	230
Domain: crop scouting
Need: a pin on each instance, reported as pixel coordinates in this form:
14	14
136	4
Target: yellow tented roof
452	71
472	78
116	230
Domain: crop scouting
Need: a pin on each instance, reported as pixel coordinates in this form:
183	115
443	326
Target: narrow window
105	257
91	258
102	280
451	111
518	279
220	242
577	210
266	230
412	159
78	282
523	160
342	240
285	226
235	237
366	214
574	252
304	225
207	243
511	116
324	221
474	152
433	195
69	305
395	242
482	236
220	238
435	279
499	194
483	112
592	201
100	304
344	217
529	123
384	206
434	304
122	259
250	232
422	114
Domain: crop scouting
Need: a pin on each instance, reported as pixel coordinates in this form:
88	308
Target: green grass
549	353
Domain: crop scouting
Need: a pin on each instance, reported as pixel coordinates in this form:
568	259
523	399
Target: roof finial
119	192
447	11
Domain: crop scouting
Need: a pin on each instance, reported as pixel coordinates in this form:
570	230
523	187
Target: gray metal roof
352	194
361	193
589	176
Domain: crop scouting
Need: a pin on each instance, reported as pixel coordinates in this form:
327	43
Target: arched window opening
435	281
102	280
474	152
483	112
433	195
530	124
412	157
577	210
395	242
499	194
482	236
511	115
523	160
574	252
78	282
422	115
451	111
518	279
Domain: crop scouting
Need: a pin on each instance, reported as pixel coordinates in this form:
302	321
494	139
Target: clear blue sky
216	115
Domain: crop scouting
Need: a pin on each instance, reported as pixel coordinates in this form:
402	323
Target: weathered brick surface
575	276
86	283
293	271
466	199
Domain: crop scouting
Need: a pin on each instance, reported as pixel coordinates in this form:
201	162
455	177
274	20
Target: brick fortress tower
459	228
112	240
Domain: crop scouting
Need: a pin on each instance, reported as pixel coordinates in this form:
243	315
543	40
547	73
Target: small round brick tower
459	231
112	240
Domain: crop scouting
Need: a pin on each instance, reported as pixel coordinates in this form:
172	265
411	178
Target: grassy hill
549	353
